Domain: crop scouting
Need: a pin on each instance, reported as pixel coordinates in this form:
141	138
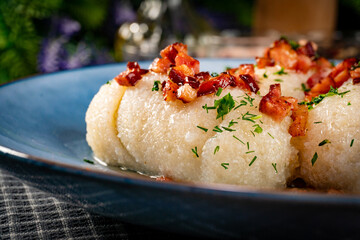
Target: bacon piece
262	62
276	106
299	117
183	58
304	63
172	50
186	93
320	88
178	74
250	82
307	49
160	65
283	54
170	91
213	84
202	76
132	74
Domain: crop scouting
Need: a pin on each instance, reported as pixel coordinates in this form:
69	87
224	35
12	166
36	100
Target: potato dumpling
254	151
329	153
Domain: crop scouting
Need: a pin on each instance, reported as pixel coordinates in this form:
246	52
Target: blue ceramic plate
42	141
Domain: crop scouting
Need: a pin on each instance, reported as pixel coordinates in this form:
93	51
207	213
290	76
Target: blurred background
41	36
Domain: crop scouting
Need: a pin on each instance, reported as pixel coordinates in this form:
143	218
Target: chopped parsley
349	103
88	161
225	165
280	72
218	92
202	128
304	88
318	99
238	139
232	122
217	129
214	74
217	148
249	117
207	108
294	45
224	105
314	158
155	86
252	161
252	133
249	99
249	152
352	142
278	80
242	103
248	145
108	82
271	135
317	122
228	129
227	68
194	150
274	166
325	141
257	129
265	75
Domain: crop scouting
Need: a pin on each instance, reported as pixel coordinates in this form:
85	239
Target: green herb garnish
280	72
224	165
228	129
217	129
194	150
217	148
214	74
265	75
304	88
274	166
278	80
352	142
314	158
349	103
224	105
232	122
252	161
257	129
202	128
248	145
317	122
88	161
218	92
238	139
249	152
155	86
325	141
318	99
207	108
271	135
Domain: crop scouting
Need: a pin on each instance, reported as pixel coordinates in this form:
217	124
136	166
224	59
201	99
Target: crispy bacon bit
356	81
170	91
276	106
307	49
174	55
202	76
163	179
186	93
299	117
184	59
213	84
262	62
250	82
131	75
340	74
160	65
178	74
283	54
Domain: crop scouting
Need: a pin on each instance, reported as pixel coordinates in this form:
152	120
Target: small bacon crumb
186	93
299	117
276	106
132	74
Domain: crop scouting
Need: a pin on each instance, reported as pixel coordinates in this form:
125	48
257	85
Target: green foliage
19	41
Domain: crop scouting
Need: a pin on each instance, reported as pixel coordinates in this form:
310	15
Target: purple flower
68	27
50	54
81	57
